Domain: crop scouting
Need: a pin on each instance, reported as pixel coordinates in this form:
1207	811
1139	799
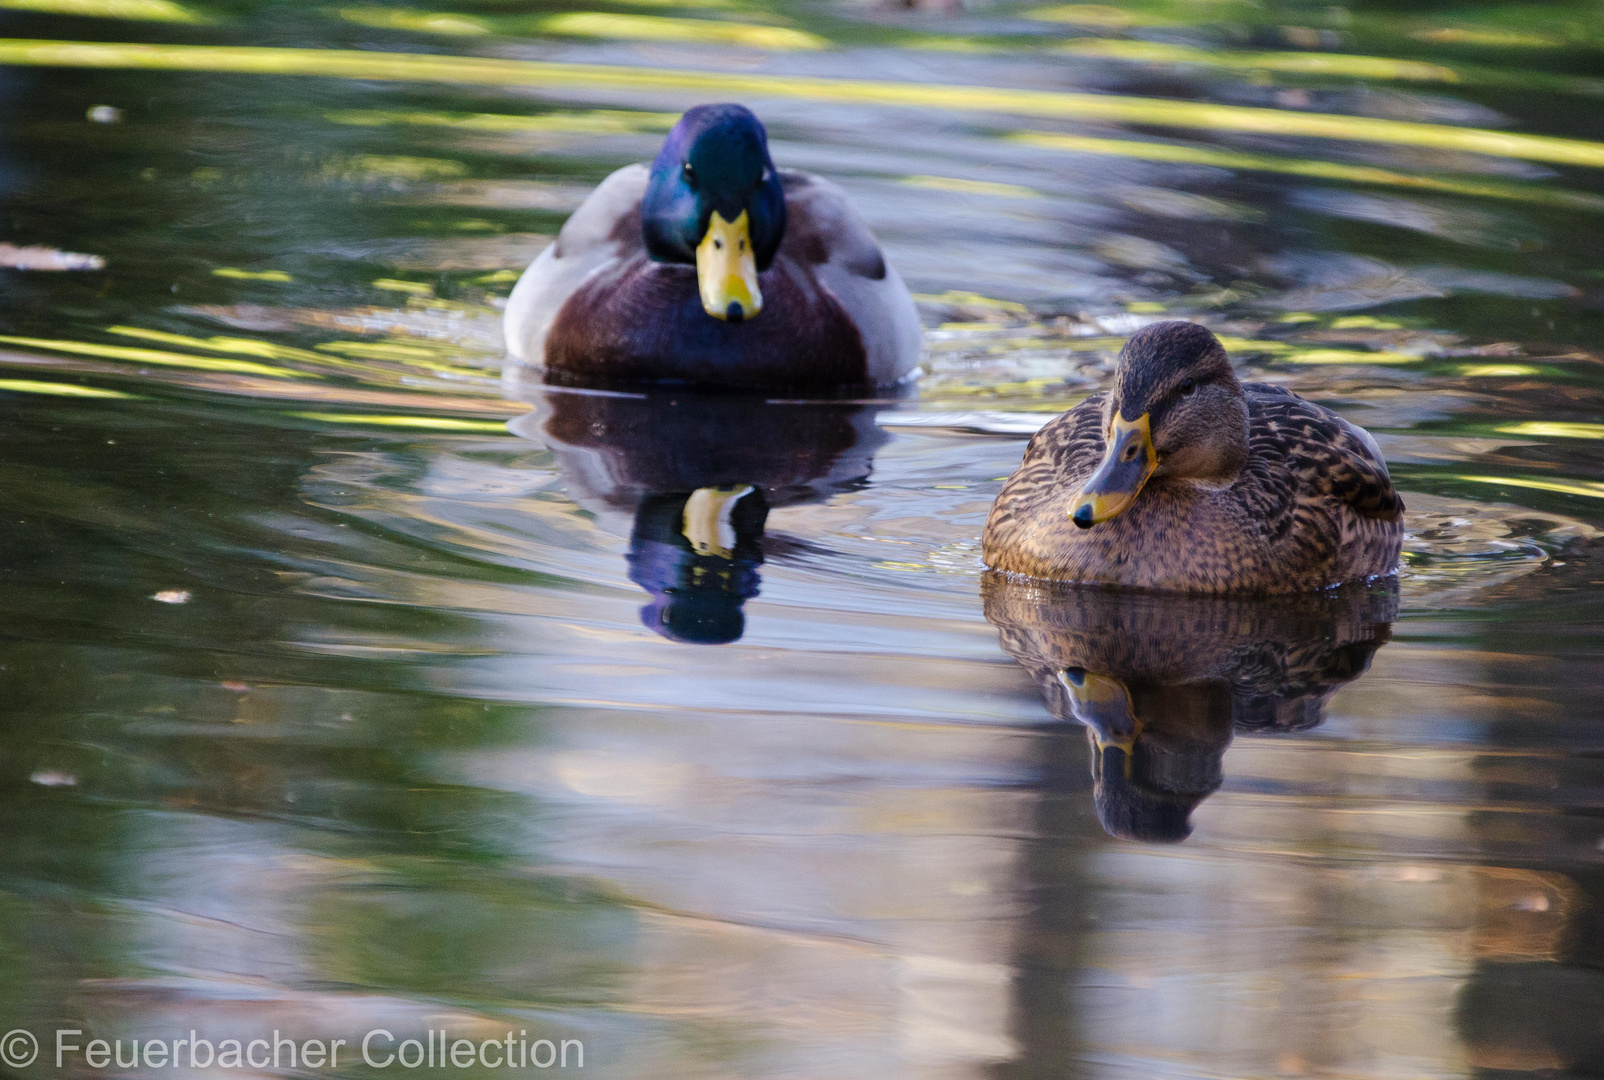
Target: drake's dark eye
690	173
1188	387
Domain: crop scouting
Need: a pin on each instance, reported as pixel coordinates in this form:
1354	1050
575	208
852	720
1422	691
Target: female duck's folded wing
1361	479
1302	450
605	229
824	232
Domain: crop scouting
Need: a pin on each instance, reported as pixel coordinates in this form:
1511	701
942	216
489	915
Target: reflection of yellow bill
1103	704
726	270
707	519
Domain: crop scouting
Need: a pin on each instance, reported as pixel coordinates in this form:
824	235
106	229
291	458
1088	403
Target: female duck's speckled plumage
1269	494
615	300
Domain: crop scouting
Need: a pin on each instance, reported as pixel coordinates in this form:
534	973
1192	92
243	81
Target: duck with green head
1182	478
713	268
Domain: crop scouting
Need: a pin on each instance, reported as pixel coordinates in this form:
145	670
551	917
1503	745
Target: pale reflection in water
699	474
1161	682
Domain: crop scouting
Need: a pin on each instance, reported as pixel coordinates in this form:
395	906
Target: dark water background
330	703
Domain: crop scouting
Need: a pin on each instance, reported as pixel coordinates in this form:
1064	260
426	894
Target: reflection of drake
698	554
700	474
1160	682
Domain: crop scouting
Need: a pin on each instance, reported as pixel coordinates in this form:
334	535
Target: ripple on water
1456	550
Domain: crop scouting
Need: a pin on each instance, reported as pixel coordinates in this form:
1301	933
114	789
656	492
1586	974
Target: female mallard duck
1181	478
713	268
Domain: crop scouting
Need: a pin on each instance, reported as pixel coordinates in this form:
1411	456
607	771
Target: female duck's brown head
1176	412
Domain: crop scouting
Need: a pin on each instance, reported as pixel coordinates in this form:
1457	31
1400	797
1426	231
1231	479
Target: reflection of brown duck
1160	682
699	475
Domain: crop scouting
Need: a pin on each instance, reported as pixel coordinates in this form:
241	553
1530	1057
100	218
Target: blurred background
334	701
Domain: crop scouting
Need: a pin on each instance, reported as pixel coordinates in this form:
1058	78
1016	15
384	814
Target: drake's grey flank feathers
1209	485
712	268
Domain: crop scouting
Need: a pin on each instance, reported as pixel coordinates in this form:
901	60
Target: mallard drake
1182	478
713	268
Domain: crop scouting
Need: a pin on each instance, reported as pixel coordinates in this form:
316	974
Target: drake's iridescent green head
714	201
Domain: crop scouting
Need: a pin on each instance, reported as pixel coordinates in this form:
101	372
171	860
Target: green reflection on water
1190	114
1323	170
138	10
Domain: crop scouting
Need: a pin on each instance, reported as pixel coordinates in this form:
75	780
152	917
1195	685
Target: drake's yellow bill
1129	460
726	270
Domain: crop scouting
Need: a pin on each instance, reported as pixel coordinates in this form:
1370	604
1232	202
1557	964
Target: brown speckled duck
1181	478
712	268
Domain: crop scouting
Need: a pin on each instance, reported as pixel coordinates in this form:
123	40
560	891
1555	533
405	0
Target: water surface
352	687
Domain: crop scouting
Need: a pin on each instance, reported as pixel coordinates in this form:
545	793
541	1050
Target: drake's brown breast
642	322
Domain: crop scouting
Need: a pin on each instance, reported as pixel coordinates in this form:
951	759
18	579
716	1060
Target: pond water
349	687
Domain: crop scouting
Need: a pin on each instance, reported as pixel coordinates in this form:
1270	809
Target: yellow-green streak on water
591	122
55	389
138	10
154	357
1319	170
1157	112
265	350
427	423
1587	488
1300	63
1555	429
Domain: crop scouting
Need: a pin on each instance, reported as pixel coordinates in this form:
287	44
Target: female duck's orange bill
1129	460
